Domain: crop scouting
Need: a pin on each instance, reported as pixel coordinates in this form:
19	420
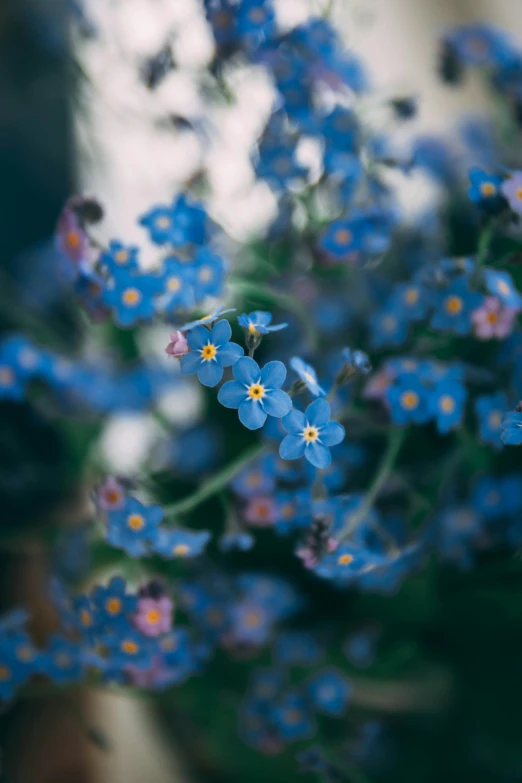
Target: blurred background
76	117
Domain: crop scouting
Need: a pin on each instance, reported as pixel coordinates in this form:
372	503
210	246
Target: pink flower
157	676
178	345
377	386
260	511
154	615
110	495
71	239
492	319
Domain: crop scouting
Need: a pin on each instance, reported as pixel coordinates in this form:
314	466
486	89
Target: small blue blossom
292	719
112	604
132	297
512	428
410	301
292	511
447	402
20	361
341	239
308	376
183	223
209	272
63	661
257	478
454	305
19	660
118	258
255	20
359	647
500	283
207	320
129	648
133	527
178	279
181	543
485	189
479	44
388	328
490	409
489	498
409	400
310	434
210	352
328	692
240	539
259	321
256	392
297	648
358	360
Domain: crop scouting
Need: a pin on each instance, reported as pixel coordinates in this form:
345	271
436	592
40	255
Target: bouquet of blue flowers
318	570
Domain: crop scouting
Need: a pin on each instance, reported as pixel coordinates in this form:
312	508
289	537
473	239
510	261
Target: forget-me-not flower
256	392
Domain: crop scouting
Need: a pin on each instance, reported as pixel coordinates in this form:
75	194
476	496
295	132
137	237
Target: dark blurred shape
156	68
405	107
450	67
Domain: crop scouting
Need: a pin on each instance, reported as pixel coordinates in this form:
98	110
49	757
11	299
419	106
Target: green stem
395	441
216	483
484	242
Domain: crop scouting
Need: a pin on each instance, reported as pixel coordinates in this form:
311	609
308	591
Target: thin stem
251	352
216	483
484	242
395	441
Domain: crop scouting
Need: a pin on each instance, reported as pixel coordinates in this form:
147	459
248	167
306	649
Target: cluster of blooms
455	320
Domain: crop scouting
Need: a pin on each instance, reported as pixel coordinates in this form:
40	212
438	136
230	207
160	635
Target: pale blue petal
232	394
318	413
294	422
190	362
273	375
332	433
261	317
229	355
221	333
277	328
247	371
277	403
198	337
512	437
292	447
210	373
251	414
318	455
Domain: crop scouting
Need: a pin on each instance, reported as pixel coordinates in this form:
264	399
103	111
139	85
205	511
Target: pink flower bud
178	345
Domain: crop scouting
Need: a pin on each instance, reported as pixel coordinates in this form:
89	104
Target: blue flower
388	328
255	21
329	691
178	279
129	648
512	429
113	605
409	400
259	322
447	401
277	162
210	352
133	527
118	258
489	498
20	361
454	305
181	543
19	660
480	44
500	283
308	376
180	224
132	297
410	300
357	360
484	188
240	539
63	661
341	239
258	478
359	647
297	648
490	409
255	392
311	434
209	272
292	511
292	719
207	320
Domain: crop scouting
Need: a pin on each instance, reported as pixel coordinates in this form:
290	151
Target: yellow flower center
292	716
121	257
181	550
5	673
411	296
287	511
495	420
252	329
208	352
72	240
389	323
135	522
252	619
153	616
447	404
519	194
409	400
131	297
503	287
113	496
309	377
63	661
256	391
343	236
345	559
453	305
163	222
173	284
113	606
85	618
168	645
487	189
7	376
310	434
492	318
25	654
129	647
254	479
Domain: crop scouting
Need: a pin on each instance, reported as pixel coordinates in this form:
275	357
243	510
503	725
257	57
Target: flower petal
251	414
332	433
512	437
277	403
198	337
221	333
190	362
261	317
318	413
318	455
232	394
273	375
229	354
294	422
247	371
210	373
292	447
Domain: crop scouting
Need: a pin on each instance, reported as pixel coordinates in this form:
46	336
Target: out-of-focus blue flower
480	44
207	320
409	400
181	543
259	322
359	647
178	280
345	563
183	223
132	298
63	660
19	660
277	162
358	360
447	401
258	478
297	648
489	498
118	258
292	719
112	605
276	594
255	22
210	352
195	450
410	300
341	239
251	622
133	527
292	511
500	283
240	539
256	392
209	272
310	434
512	428
265	685
388	328
20	361
129	648
329	691
454	305
485	188
435	155
308	375
490	409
